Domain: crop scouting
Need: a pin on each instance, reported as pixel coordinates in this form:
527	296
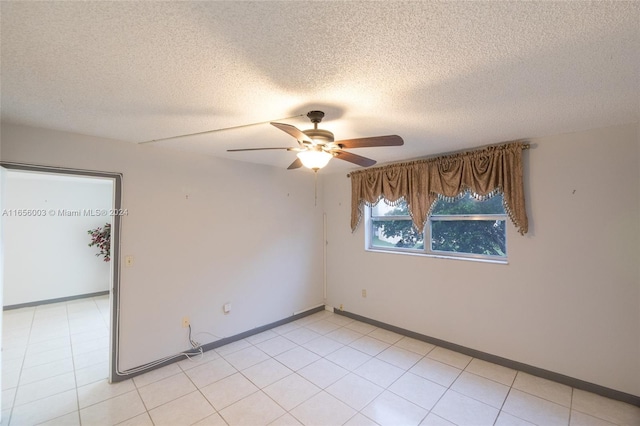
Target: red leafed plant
101	237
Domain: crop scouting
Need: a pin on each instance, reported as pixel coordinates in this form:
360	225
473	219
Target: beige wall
203	232
569	299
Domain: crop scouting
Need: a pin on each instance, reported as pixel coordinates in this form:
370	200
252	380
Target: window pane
395	233
486	237
469	205
383	209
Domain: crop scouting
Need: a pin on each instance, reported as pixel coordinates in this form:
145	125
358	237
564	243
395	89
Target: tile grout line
73	363
15	396
61	374
298	345
255	384
261	389
35	311
549	400
448	388
199	390
328	360
381	360
570	406
585	413
387	388
146	410
507	397
406	371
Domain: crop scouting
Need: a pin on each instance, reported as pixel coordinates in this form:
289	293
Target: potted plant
101	237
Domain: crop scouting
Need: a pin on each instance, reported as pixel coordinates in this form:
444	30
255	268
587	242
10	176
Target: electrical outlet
364	292
128	261
185	322
341	307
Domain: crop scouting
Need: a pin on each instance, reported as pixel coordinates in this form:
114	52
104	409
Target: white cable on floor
195	345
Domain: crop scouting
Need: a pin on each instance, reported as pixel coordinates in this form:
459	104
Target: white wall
569	299
202	232
47	256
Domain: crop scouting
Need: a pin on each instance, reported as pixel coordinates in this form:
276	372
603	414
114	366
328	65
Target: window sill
439	256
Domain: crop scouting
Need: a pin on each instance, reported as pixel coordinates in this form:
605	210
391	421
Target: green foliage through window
465	227
399	232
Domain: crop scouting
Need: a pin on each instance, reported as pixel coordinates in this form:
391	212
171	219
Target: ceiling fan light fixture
317	146
313	159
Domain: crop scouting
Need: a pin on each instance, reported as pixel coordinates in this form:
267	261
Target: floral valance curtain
484	172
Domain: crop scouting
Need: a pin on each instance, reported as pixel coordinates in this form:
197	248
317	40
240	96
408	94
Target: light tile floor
323	369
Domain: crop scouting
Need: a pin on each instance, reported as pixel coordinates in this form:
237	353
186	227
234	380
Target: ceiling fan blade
355	159
295	165
389	140
293	131
258	149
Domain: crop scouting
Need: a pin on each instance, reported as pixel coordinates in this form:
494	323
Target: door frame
114	290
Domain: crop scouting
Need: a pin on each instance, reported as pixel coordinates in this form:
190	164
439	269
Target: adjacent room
320	213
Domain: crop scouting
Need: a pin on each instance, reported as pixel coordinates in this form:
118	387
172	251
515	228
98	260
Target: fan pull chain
315	187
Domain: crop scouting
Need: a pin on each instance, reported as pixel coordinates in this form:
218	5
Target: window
462	228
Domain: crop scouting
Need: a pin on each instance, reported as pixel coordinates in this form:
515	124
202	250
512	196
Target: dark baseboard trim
225	341
58	300
257	330
530	369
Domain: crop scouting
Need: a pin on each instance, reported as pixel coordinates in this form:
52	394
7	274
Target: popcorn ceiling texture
443	75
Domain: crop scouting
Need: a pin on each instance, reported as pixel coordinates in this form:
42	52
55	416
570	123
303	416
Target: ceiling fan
316	146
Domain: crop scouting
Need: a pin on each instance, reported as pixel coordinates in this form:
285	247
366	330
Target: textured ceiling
443	75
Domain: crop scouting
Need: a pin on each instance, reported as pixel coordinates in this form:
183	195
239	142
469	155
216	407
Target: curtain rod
524	146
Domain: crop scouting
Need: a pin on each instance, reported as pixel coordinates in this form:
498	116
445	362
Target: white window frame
426	232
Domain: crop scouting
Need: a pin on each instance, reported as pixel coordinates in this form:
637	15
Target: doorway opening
59	278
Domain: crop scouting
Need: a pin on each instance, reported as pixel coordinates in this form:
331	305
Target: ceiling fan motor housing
316	134
319	135
315	116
